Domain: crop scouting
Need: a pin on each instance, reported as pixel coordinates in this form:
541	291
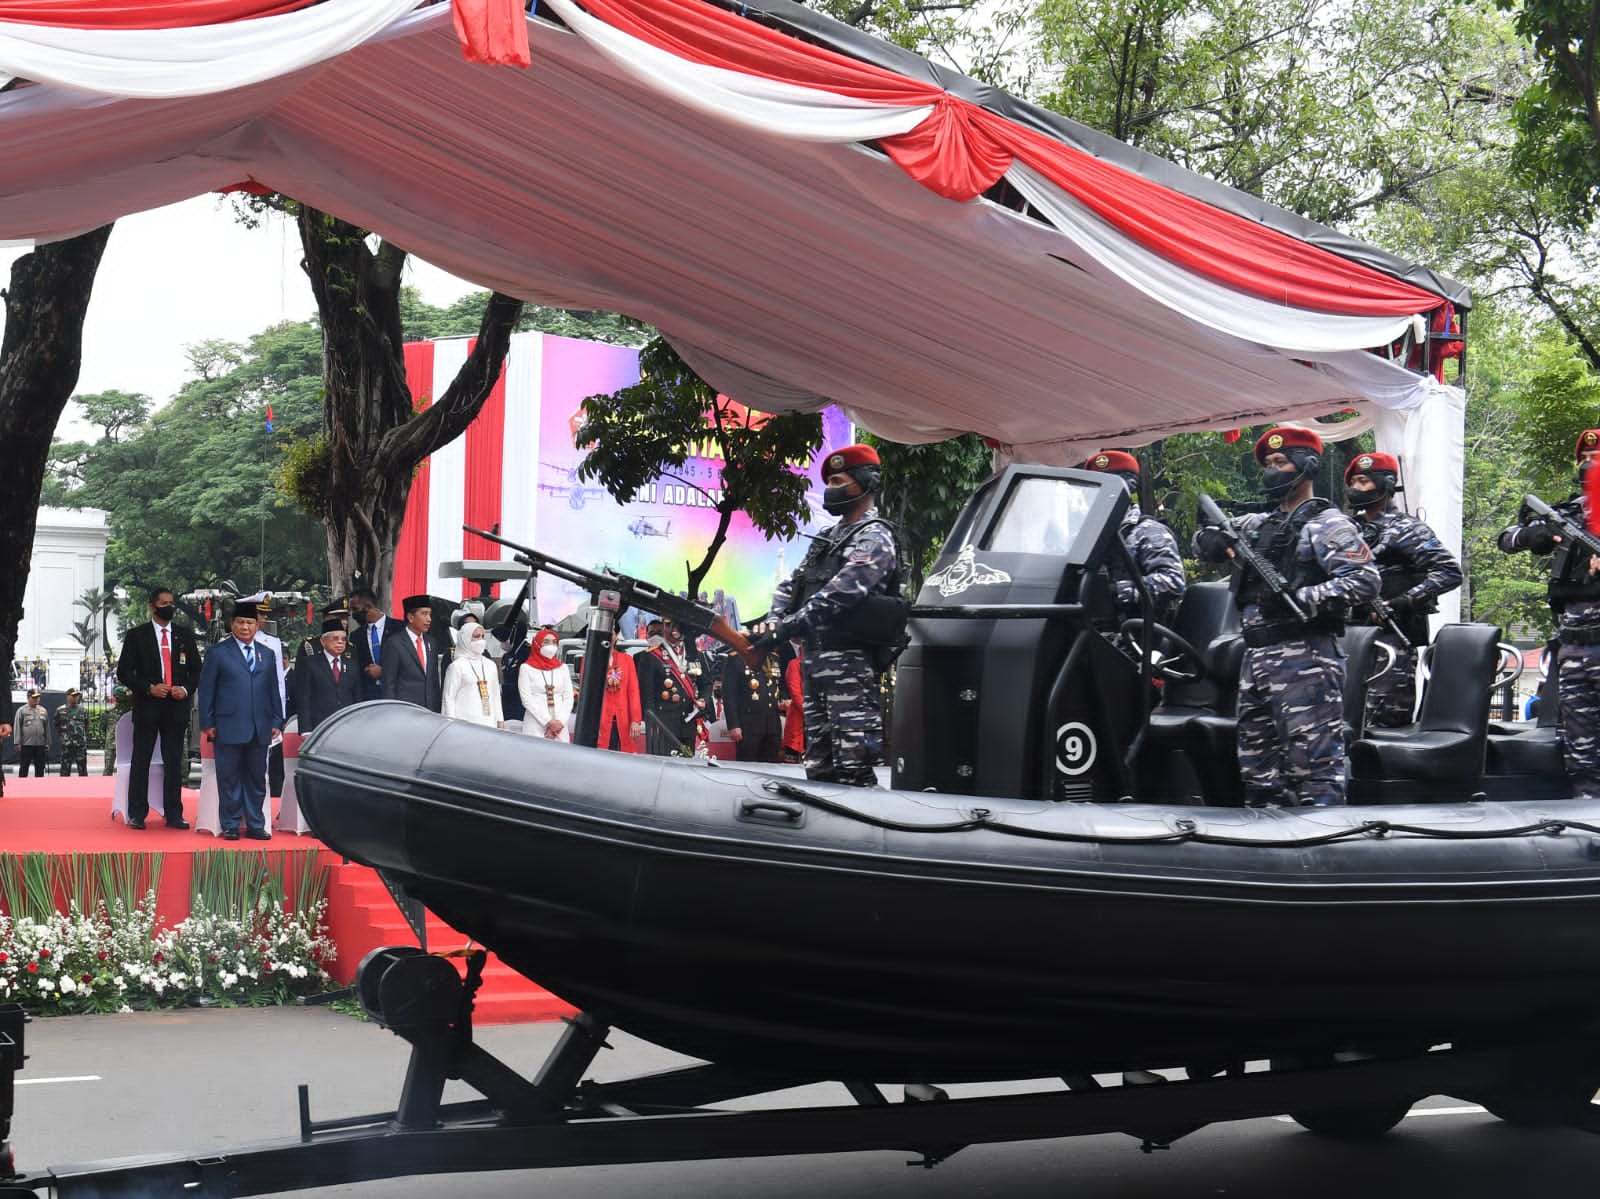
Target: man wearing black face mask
1575	596
1291	683
1416	569
835	603
160	664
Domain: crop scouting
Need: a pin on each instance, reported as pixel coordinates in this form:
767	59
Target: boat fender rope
1185	831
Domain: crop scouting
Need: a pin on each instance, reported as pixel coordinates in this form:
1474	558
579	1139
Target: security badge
1102	462
1364	462
1275	442
836	462
1591	439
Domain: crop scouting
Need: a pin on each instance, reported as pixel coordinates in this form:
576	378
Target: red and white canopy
806	226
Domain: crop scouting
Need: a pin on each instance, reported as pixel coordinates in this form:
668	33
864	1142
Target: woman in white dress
545	685
472	684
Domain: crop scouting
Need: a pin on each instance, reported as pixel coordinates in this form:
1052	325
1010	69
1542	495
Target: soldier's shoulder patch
1348	542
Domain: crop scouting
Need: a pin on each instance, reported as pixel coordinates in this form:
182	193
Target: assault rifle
609	592
1244	552
1386	617
1570	533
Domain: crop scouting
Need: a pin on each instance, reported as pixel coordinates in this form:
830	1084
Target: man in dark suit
753	700
160	665
241	710
367	640
325	680
411	668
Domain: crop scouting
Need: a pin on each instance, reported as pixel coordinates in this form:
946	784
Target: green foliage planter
80	933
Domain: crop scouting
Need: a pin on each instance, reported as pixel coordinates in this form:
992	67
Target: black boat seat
1195	718
1533	748
1450	739
1360	645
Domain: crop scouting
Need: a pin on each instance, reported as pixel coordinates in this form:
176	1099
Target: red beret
851	455
1285	437
1364	463
1112	460
1588	440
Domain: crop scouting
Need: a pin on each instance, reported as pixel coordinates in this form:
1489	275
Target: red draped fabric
494	32
141	14
486	437
411	555
961	149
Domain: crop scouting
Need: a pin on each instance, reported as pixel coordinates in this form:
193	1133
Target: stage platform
62	816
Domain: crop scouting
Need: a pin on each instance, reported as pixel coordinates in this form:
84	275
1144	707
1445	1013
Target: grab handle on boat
771	811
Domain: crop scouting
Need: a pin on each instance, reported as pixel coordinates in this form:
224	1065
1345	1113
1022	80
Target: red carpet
73	816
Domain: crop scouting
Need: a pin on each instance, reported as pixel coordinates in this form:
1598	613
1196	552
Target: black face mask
1583	473
166	612
1361	500
837	500
1278	483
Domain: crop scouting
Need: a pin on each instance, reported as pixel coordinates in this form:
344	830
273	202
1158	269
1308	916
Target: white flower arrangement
108	961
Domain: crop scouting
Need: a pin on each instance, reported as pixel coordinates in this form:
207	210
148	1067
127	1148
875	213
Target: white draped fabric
162	63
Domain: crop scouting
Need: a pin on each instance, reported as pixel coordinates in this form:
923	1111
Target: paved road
108	1086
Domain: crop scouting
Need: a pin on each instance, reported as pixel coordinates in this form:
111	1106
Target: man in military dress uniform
1291	682
672	694
72	732
751	698
1152	545
1415	568
827	604
1574	593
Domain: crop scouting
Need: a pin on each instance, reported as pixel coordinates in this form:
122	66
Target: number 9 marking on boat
1075	748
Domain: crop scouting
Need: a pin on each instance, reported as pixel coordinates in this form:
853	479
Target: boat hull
708	909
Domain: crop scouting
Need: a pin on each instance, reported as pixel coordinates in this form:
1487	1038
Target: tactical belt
1274	632
1589	635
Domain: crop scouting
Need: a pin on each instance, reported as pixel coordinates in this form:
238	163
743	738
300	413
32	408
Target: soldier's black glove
1401	604
1537	539
769	642
1210	544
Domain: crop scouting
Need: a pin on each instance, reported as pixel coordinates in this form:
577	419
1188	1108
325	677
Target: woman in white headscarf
472	684
545	684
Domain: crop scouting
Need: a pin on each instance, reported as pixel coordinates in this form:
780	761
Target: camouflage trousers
1580	716
844	717
1392	696
74	757
1291	722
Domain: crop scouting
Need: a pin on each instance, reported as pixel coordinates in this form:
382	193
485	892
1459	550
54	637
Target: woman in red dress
794	719
621	717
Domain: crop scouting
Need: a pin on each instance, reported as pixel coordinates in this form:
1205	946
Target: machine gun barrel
1244	552
1573	534
635	593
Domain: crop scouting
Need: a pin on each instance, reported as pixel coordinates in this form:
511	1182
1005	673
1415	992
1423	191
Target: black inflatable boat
972	921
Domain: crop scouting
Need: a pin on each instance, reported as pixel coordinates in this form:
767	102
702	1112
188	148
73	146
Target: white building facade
69	558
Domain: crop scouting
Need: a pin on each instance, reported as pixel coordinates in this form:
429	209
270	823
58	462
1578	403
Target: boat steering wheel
1173	659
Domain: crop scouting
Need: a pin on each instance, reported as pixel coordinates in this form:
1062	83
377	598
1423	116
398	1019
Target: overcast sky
188	273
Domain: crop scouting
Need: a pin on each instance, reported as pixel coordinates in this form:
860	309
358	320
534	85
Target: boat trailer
558	1119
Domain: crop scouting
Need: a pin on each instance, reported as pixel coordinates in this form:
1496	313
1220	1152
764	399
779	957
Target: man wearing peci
411	669
160	665
241	711
324	679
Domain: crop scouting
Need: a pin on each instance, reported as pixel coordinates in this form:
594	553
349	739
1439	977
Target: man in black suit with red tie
411	669
325	680
160	664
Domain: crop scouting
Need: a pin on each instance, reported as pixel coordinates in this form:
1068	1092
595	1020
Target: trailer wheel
1366	1123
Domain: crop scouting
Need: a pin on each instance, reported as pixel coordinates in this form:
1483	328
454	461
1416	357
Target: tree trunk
39	360
376	437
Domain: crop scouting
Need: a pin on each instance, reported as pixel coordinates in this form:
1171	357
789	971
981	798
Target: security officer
751	696
72	731
1575	597
1291	683
842	602
1152	545
1416	569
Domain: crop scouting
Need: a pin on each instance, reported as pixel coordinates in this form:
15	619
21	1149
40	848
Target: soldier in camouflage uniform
72	732
1415	568
1575	598
1291	683
824	605
1152	545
